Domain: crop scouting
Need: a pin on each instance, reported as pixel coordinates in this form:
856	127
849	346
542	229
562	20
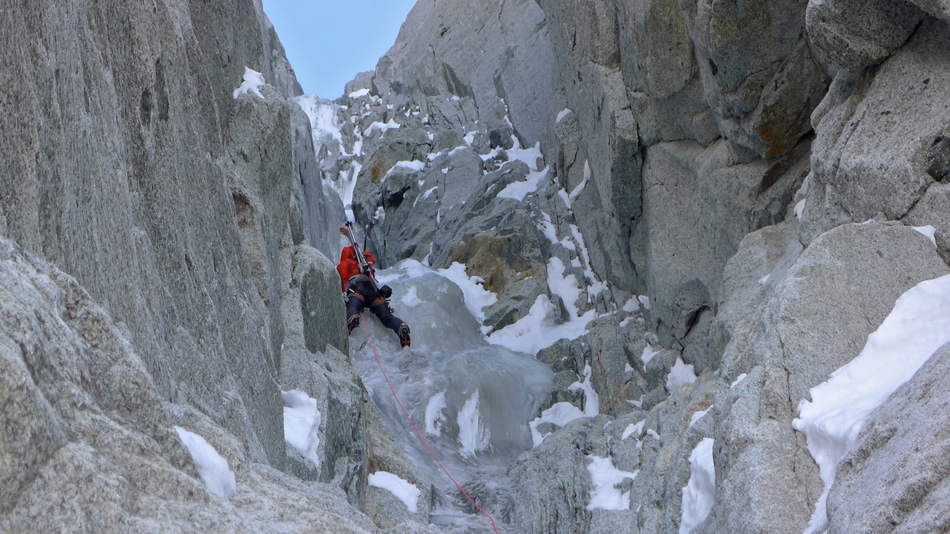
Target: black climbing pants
362	294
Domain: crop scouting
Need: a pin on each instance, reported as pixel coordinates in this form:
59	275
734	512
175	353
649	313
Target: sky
329	41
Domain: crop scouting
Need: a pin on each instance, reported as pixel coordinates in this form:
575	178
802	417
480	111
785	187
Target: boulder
895	480
814	315
850	35
931	211
875	133
757	72
549	503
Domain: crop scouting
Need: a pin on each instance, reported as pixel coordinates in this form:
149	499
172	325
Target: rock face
94	447
858	173
683	111
820	308
752	169
188	212
119	176
499	55
715	157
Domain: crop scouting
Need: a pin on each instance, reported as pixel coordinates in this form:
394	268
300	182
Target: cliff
156	265
714	205
754	171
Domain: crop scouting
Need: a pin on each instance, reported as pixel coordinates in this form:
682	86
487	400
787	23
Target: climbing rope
416	429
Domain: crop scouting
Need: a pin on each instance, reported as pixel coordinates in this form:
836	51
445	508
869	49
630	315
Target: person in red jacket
362	292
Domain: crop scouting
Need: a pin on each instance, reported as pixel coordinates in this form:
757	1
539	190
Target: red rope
422	439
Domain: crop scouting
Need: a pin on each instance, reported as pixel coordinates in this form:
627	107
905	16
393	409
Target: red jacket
349	266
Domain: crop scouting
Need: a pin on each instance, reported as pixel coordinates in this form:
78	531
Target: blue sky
329	41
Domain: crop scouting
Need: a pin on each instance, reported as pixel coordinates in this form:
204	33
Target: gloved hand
385	291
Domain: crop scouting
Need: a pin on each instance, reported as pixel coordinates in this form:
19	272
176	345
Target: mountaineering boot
404	335
352	323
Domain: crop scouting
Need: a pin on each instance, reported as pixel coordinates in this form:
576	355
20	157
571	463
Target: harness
361	278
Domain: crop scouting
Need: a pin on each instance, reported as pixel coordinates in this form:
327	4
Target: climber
361	291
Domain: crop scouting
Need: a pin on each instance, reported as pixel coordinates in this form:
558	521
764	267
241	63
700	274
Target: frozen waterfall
470	399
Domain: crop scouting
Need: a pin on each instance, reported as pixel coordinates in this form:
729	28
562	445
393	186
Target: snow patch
252	83
473	435
799	209
519	190
212	467
591	398
929	232
737	381
699	495
435	419
918	325
405	491
563	286
538	330
477	298
606	495
632	305
302	424
680	375
382	127
649	353
560	414
644	301
633	429
580	187
414	166
697	416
